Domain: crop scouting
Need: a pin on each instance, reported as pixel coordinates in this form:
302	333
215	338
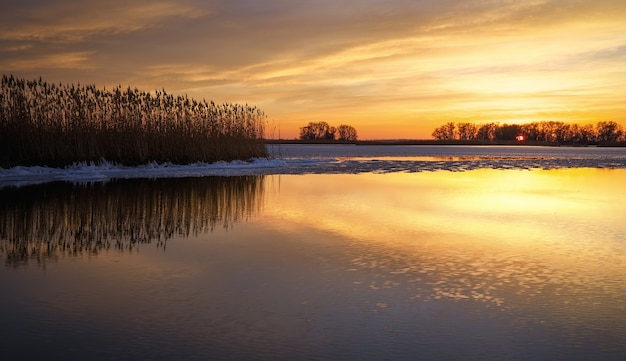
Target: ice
89	172
330	159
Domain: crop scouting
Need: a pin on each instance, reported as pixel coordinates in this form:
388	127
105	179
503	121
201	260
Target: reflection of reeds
57	125
43	222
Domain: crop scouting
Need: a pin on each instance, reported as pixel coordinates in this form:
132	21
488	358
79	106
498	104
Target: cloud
406	59
68	61
75	21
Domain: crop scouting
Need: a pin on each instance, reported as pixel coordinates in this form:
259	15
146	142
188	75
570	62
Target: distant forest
324	131
542	132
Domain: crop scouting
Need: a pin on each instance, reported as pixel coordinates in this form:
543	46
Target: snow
330	159
88	172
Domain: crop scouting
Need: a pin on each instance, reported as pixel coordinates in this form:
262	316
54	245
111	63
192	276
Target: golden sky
391	69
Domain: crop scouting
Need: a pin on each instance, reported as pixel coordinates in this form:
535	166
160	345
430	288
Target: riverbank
443	142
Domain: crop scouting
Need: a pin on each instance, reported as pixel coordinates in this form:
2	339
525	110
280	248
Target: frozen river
320	253
333	159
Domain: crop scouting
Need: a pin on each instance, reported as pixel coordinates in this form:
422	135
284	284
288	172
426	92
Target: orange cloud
395	70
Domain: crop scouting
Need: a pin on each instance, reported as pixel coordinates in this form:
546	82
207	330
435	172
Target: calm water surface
476	265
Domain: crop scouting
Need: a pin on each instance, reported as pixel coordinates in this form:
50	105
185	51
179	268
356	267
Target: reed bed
58	125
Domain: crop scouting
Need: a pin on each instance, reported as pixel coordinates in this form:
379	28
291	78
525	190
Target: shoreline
440	142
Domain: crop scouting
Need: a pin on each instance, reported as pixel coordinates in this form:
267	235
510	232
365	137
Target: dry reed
57	125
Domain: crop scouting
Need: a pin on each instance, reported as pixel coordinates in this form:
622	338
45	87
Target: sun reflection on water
485	262
553	241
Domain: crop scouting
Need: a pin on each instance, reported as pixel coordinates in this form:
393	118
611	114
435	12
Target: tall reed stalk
57	125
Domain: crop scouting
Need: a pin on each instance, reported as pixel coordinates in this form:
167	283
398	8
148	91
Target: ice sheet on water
329	159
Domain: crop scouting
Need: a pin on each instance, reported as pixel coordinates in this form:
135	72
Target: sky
393	69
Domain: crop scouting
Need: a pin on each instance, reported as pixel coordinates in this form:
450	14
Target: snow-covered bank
85	173
330	159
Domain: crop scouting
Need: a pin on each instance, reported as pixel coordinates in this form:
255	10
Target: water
484	264
338	159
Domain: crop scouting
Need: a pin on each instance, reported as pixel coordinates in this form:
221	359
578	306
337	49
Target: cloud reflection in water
487	264
547	245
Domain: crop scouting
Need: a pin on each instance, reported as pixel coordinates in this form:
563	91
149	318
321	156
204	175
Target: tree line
546	131
51	124
324	131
